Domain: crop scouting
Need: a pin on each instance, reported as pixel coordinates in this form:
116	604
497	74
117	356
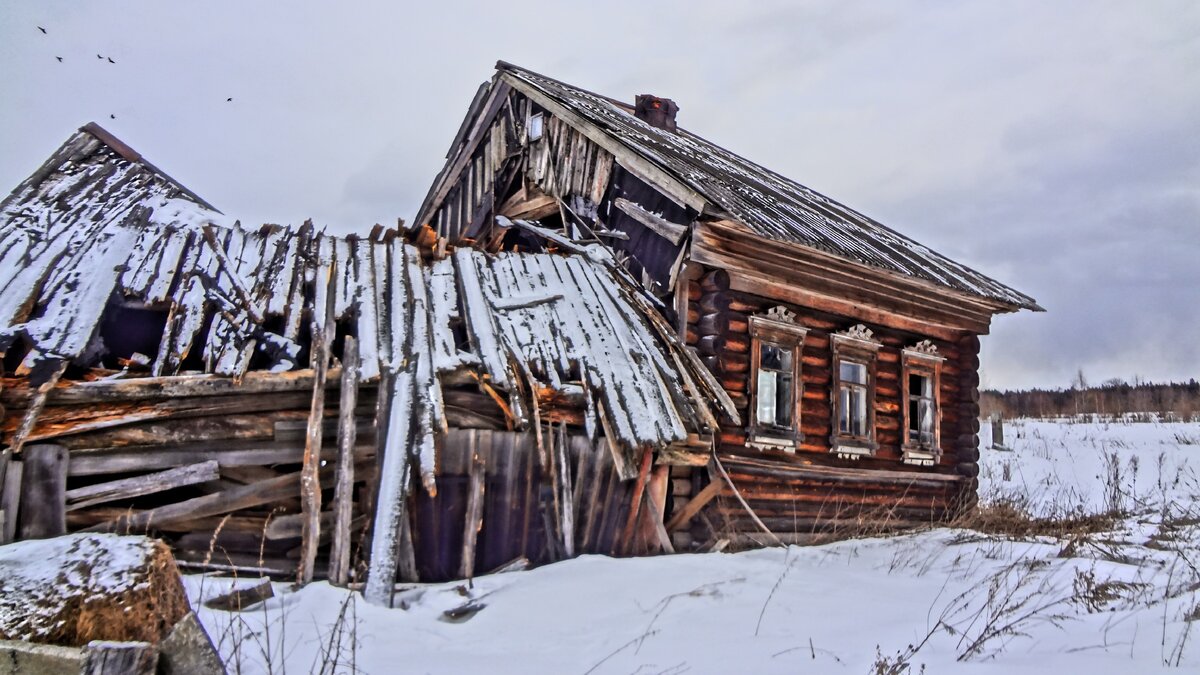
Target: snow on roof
771	205
94	231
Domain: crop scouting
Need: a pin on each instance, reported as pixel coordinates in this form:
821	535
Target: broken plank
127	488
43	492
693	507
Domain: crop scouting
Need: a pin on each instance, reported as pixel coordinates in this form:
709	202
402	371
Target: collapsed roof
97	232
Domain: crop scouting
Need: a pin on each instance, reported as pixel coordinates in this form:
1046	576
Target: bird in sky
42	29
229	100
110	60
100	57
59	59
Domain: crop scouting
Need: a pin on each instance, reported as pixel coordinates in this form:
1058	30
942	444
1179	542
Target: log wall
792	501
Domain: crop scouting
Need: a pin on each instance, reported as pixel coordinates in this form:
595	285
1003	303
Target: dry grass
1011	519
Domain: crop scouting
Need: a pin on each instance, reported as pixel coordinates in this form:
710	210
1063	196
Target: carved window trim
855	345
776	327
921	359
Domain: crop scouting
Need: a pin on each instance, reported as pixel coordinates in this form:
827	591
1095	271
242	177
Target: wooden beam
672	232
310	491
635	503
656	499
343	497
43	492
474	517
127	488
693	506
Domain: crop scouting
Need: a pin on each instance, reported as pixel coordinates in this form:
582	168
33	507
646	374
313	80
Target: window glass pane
914	418
853	372
775	357
767	381
844	410
916	385
783	401
859	422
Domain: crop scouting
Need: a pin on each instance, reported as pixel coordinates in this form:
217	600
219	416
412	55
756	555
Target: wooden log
119	658
242	597
734	383
691	334
713	324
310	492
29	419
43	492
724	302
969	469
693	291
343	497
711	345
10	499
474	517
137	486
739	344
734	363
689	511
715	281
693	313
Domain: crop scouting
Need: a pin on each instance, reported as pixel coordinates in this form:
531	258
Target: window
852	396
920	409
537	124
776	346
853	392
922	370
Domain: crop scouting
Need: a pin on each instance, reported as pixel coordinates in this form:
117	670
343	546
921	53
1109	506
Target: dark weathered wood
239	598
684	515
474	516
29	419
119	658
10	500
310	492
343	498
188	650
43	492
233	499
127	488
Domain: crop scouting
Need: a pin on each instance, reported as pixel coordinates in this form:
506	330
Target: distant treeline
1177	400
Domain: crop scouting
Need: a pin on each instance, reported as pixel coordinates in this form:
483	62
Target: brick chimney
655	111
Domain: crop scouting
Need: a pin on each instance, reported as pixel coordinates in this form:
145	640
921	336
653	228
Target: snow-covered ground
945	600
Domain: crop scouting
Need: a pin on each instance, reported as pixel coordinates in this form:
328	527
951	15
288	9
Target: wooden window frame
777	327
858	346
921	359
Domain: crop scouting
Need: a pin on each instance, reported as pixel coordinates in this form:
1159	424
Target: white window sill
772	443
921	456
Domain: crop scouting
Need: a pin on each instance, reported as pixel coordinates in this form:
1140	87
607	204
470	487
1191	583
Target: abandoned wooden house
167	370
602	334
849	350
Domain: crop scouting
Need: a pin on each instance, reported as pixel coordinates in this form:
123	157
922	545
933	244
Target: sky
1052	146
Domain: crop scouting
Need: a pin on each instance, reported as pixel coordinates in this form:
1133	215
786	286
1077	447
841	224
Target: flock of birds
110	60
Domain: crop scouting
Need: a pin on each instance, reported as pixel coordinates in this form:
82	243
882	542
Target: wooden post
10	497
998	431
43	492
474	517
567	498
339	550
119	658
310	487
635	504
694	505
